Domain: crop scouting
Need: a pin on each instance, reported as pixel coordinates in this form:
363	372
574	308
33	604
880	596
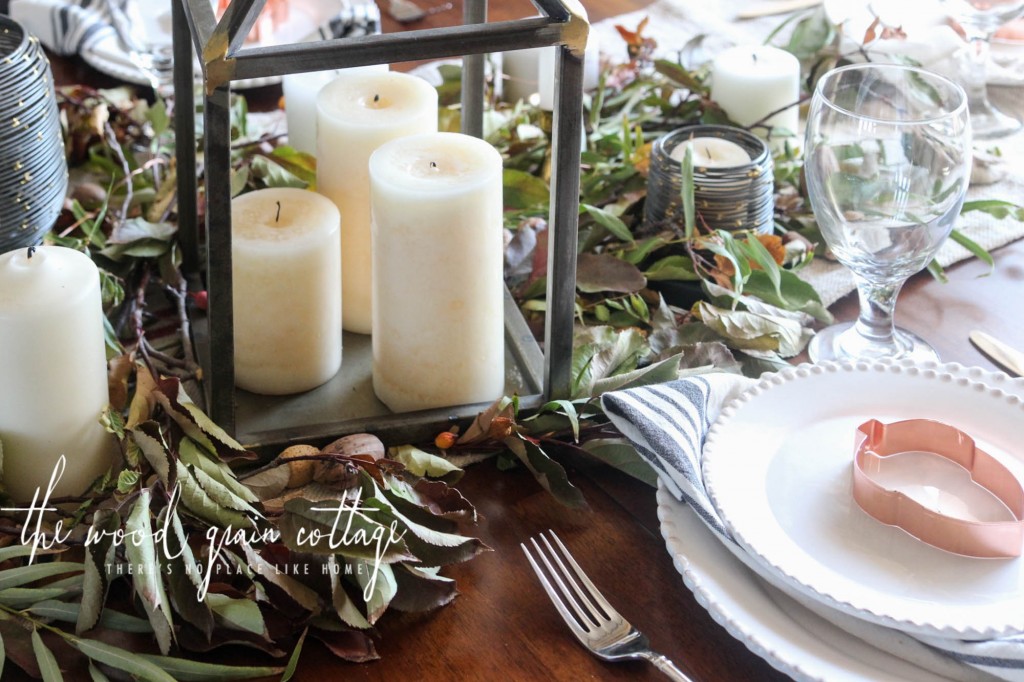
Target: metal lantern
347	404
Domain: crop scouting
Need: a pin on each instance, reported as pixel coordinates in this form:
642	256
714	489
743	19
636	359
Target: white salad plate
777	466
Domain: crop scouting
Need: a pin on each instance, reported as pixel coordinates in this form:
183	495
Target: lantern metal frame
224	58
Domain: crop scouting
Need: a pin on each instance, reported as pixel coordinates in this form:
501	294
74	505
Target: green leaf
48	667
237	614
273	174
618	453
994	207
343	604
69	613
116	657
99	553
3	655
293	660
206	501
96	675
672	268
757	331
268	573
794	294
602	352
299	164
549	473
187	670
191	453
609	221
658	372
18	598
185	581
759	254
23	575
565	408
378	584
147	581
524	191
422	463
972	246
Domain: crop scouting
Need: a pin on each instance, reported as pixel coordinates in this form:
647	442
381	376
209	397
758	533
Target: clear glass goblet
980	19
887	163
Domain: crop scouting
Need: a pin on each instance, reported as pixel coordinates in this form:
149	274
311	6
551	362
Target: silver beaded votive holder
733	179
33	170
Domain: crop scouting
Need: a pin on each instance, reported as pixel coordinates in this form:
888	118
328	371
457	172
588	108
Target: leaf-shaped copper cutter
987	539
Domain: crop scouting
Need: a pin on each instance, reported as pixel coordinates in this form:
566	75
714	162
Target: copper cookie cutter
986	539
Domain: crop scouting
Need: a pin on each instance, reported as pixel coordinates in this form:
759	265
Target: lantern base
347	404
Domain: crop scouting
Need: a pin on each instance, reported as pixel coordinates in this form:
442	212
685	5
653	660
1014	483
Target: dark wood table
502	626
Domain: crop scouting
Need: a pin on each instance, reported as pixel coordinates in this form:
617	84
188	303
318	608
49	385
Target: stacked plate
33	170
729	198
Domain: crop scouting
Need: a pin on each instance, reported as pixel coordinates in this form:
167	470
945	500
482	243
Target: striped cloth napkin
667	424
69	27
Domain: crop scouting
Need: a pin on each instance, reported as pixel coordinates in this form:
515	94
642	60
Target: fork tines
574	590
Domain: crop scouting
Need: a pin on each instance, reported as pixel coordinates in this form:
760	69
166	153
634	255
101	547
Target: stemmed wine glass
888	160
980	19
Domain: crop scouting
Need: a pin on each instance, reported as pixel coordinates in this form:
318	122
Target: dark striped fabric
667	424
69	27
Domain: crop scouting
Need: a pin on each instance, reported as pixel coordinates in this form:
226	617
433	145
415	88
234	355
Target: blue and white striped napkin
667	424
69	27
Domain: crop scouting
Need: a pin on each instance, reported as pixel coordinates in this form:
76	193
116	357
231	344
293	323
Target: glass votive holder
733	178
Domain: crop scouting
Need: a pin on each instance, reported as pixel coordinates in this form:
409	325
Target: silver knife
1010	359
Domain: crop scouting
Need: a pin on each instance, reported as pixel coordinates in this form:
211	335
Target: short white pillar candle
750	82
286	262
300	92
358	112
712	152
53	371
438	292
520	69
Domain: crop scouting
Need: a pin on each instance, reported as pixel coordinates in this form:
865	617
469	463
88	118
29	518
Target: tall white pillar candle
286	262
438	329
520	70
357	113
750	82
300	92
53	371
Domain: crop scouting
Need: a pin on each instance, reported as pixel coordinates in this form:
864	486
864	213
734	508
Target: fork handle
669	668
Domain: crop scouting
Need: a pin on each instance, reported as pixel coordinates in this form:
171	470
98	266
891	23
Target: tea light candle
712	152
438	292
286	262
751	82
53	371
300	93
356	113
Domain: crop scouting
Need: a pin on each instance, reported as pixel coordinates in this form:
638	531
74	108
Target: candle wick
707	153
376	98
31	251
278	216
433	164
754	56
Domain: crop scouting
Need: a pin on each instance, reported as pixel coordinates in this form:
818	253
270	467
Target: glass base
989	123
842	342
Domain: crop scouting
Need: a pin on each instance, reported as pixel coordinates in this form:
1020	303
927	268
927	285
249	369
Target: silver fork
594	622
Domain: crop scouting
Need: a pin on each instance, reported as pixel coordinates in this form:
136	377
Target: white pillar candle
53	371
300	92
357	113
285	268
750	82
712	152
438	306
520	69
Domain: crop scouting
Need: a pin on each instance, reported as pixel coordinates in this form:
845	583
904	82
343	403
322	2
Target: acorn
356	444
300	472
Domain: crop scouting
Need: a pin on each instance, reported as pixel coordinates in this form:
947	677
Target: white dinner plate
773	626
777	465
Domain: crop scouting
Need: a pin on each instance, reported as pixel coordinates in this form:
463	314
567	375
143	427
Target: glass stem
977	66
877	302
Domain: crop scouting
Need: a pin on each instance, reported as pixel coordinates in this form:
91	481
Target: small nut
356	444
300	472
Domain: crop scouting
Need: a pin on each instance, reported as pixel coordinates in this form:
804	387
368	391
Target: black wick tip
278	216
31	251
376	98
433	164
754	55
